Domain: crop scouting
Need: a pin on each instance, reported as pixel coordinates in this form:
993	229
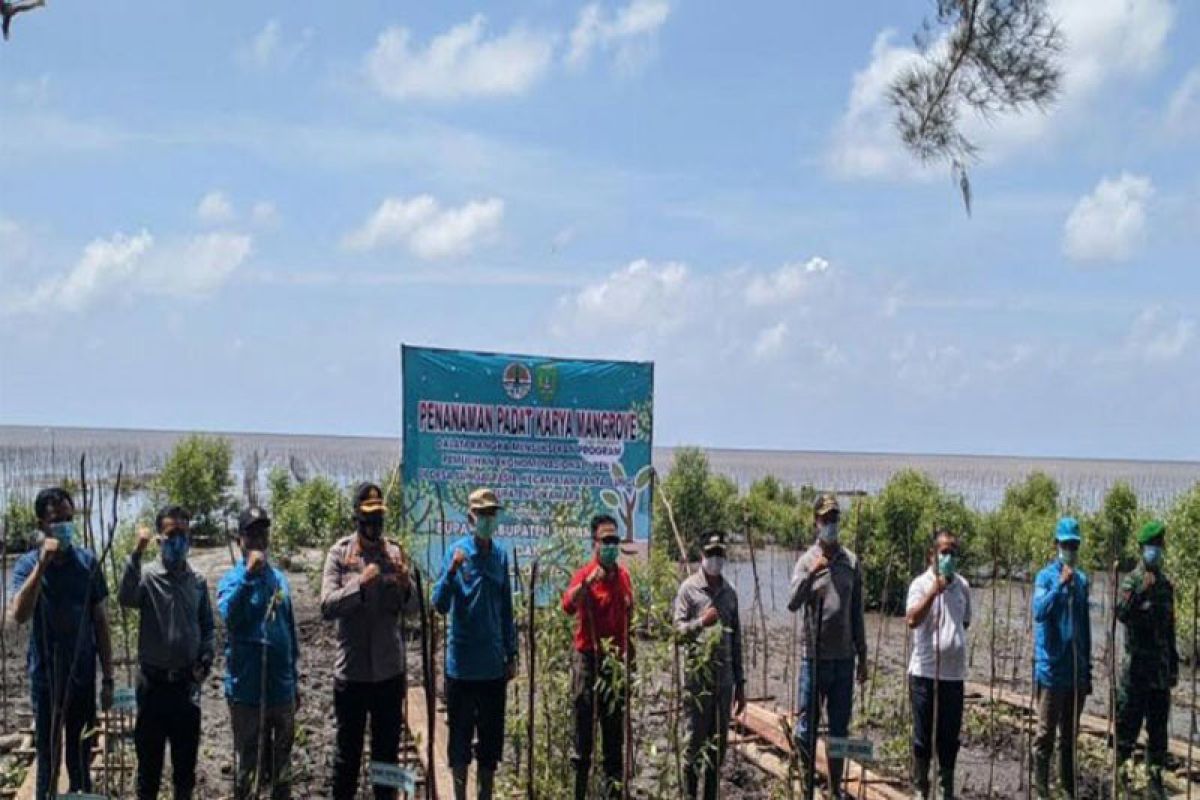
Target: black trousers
78	715
1154	707
949	719
166	713
595	695
476	707
352	703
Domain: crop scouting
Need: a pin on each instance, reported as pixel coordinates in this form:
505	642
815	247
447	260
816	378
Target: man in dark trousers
475	592
1062	659
175	653
1146	605
706	616
827	577
600	596
255	601
60	588
366	589
938	611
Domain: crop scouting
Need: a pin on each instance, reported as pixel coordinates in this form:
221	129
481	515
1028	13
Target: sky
231	220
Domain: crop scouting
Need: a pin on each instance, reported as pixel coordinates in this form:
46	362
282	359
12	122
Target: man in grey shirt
366	589
827	587
706	616
175	653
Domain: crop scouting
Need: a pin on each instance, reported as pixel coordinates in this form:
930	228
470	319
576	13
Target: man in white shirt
938	612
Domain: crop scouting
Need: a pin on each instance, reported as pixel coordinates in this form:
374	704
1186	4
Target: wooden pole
531	700
1114	576
1195	657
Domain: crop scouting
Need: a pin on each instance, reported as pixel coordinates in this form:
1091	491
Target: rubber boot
460	783
487	781
804	763
946	779
1041	778
581	781
1158	791
836	767
920	778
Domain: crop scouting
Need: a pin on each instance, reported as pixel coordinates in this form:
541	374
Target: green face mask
485	527
609	554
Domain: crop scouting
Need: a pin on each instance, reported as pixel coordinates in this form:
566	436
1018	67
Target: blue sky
230	220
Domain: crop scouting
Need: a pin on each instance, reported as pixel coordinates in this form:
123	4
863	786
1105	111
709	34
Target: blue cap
1067	531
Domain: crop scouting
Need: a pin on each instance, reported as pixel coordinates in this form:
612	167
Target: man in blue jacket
255	602
1063	662
476	593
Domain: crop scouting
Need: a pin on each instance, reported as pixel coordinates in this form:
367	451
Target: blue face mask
946	564
1152	554
175	550
1067	556
64	532
485	527
828	532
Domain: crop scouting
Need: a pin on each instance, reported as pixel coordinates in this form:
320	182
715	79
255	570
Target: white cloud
630	32
1183	110
1110	223
770	342
270	49
214	208
123	265
426	229
1106	40
14	242
458	63
264	214
784	284
667	310
1155	337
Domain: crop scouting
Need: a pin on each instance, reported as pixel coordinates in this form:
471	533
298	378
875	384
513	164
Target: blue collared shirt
478	600
62	630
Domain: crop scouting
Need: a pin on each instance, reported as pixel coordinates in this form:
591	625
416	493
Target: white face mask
712	565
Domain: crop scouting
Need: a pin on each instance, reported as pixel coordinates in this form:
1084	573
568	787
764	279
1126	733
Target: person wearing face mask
1062	658
706	606
1150	670
60	588
827	578
475	592
600	596
175	653
366	589
255	602
938	612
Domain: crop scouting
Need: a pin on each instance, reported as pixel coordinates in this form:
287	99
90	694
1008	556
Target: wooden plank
1088	723
766	724
418	722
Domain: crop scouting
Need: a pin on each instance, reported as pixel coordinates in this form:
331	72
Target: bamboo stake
1195	657
992	680
532	639
757	603
428	685
1112	679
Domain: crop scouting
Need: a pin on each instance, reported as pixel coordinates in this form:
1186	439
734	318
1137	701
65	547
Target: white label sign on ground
857	749
124	699
392	775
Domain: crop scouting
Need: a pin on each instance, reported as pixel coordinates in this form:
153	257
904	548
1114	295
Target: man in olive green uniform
1151	666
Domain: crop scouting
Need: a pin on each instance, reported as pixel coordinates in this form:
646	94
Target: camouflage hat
713	543
483	500
368	499
1151	531
825	504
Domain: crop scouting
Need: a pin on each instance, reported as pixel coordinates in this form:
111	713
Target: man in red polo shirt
601	597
